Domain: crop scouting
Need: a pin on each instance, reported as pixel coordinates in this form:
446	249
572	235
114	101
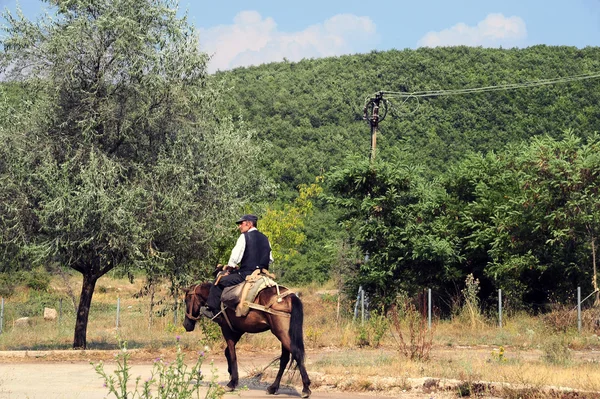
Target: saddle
242	296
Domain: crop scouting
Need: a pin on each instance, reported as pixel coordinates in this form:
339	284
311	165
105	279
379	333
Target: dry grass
537	353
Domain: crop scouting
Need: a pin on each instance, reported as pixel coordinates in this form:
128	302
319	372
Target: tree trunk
151	311
85	301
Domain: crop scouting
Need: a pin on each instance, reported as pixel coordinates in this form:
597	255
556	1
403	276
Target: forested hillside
311	111
439	205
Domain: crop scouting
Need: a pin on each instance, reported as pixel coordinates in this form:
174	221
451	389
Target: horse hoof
306	394
272	390
228	388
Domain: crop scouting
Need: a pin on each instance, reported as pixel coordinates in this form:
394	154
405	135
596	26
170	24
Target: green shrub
8	284
37	301
211	331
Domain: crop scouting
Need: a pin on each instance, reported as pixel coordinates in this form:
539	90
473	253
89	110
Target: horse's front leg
231	357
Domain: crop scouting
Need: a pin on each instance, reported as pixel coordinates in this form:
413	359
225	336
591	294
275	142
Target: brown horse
285	322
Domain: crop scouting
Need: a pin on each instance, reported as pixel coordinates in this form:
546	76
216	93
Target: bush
211	331
36	303
8	283
561	319
37	279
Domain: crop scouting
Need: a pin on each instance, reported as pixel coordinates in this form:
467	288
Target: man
252	251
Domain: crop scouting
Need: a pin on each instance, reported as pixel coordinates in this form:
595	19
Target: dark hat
250	218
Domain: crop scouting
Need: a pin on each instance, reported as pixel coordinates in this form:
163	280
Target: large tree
128	161
398	219
527	217
553	219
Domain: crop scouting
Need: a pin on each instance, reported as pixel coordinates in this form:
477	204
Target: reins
189	314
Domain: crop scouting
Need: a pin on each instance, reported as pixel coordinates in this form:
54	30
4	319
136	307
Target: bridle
188	313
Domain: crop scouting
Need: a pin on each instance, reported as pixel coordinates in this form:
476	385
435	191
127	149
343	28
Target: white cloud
253	40
494	31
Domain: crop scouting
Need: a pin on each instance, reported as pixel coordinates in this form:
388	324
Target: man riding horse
252	251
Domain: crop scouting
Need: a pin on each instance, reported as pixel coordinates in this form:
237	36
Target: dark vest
256	254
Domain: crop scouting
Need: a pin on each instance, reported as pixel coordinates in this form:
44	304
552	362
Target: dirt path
35	375
69	374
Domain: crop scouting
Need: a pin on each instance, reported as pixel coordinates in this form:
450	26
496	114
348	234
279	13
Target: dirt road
30	376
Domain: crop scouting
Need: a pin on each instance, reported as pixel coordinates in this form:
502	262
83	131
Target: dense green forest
121	153
311	111
310	116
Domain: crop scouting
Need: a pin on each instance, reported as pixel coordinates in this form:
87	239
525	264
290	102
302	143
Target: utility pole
373	105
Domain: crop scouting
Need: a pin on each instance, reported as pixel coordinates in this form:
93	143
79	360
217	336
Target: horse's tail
296	334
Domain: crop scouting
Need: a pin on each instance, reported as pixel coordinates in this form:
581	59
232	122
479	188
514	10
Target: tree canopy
123	158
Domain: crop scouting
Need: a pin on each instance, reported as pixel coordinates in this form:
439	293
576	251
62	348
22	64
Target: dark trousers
214	296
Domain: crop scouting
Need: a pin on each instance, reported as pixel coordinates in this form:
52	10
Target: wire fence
175	309
362	303
16	313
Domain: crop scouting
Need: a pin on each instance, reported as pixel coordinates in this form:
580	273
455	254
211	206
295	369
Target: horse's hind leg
305	380
283	361
228	357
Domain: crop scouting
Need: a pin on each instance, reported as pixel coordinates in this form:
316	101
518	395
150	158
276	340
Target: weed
168	380
174	329
420	338
365	385
312	335
470	312
463	389
498	355
556	351
379	325
362	339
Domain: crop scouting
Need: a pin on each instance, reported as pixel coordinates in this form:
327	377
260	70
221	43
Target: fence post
1	314
175	312
429	308
357	302
118	310
579	309
500	307
362	306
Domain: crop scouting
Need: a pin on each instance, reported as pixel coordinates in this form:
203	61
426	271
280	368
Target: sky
237	33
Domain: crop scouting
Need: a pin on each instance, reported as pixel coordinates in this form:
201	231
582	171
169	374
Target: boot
206	312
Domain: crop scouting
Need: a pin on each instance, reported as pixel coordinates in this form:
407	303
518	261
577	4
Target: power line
376	107
512	86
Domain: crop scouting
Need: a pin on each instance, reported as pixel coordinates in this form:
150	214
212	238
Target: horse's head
195	297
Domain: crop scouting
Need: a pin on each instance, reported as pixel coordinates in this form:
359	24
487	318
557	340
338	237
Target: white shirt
238	251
